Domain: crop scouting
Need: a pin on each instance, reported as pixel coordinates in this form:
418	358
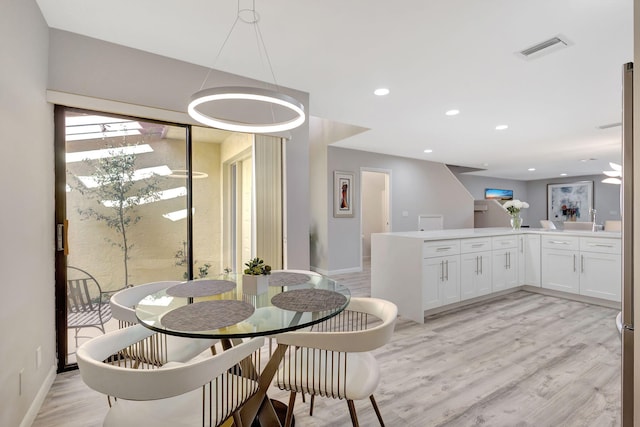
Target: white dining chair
168	347
202	391
610	225
334	359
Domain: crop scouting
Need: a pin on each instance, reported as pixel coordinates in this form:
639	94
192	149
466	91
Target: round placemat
200	288
309	300
288	279
207	315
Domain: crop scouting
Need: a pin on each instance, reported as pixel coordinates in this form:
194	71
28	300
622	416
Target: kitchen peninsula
425	272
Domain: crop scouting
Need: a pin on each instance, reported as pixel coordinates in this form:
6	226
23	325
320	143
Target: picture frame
343	194
498	194
570	201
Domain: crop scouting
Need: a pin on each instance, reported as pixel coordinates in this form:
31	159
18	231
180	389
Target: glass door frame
60	207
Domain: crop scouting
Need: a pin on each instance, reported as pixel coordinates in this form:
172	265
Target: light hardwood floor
522	359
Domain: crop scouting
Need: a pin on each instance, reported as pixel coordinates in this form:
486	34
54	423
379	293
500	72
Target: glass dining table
219	309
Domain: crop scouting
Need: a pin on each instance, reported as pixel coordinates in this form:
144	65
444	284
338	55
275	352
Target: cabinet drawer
600	244
475	245
557	241
504	242
440	248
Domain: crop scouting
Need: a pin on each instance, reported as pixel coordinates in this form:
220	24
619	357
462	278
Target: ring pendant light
244	93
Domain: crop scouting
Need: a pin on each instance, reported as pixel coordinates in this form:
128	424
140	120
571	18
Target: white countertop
464	233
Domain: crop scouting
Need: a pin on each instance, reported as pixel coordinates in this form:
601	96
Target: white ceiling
434	55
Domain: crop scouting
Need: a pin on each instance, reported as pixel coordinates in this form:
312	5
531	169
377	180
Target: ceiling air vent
545	47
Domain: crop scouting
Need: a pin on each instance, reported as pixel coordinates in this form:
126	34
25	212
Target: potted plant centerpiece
255	279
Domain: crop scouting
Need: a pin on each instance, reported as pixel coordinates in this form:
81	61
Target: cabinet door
469	270
450	286
432	276
601	275
475	274
560	270
529	260
485	277
505	269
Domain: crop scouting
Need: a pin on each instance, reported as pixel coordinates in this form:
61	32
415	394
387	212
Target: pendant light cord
259	42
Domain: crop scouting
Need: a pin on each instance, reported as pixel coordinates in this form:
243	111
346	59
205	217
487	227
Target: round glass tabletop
217	309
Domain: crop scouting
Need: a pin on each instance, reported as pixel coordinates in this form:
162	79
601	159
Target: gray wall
93	68
417	187
27	253
606	197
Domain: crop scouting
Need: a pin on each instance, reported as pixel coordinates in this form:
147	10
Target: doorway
375	205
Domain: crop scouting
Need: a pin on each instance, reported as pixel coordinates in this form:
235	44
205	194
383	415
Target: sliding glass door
139	201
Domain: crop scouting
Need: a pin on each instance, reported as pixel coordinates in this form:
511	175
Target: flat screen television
498	194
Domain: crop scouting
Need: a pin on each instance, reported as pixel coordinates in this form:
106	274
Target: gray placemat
288	279
207	315
200	288
309	300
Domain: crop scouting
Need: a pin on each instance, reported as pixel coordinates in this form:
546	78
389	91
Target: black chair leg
375	408
313	397
352	412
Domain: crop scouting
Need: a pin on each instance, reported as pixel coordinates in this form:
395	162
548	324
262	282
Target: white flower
514	206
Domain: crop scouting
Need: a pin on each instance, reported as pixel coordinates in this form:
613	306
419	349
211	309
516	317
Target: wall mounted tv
498	194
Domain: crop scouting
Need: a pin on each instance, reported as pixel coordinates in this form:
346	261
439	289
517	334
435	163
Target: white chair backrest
123	302
150	384
610	225
547	225
583	226
351	341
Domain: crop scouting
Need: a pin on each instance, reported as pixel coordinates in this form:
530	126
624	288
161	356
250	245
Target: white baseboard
35	406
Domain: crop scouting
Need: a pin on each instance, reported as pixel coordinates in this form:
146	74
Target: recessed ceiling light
563	174
381	91
452	112
428	150
502	127
531	169
485	164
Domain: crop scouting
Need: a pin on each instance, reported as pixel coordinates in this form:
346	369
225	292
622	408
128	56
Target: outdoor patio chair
87	305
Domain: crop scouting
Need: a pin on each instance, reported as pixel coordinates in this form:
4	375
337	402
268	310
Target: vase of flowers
255	279
514	207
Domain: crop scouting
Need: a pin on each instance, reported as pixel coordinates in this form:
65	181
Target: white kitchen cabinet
441	273
504	262
420	271
529	259
441	281
475	268
600	268
560	258
589	266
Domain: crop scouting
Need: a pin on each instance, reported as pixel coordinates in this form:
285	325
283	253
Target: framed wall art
570	201
343	194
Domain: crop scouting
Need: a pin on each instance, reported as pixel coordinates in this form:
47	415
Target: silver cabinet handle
559	242
442	271
582	263
506	262
447	263
574	263
443	248
481	257
477	245
477	268
521	245
600	245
